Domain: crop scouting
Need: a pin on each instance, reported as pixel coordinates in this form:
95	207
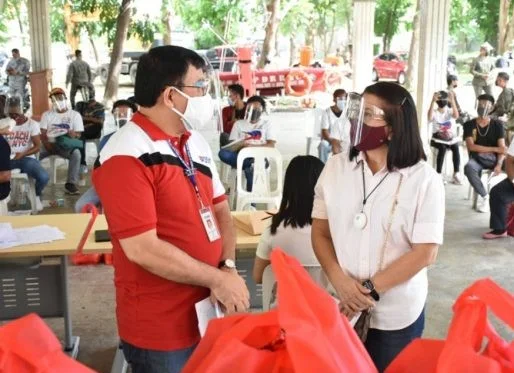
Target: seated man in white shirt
255	130
25	142
335	130
60	133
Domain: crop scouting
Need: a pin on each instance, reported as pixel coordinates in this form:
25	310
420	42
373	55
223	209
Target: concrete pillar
433	54
41	58
39	25
362	44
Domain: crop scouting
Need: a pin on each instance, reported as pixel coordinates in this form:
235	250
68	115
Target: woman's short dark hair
298	195
161	67
237	89
258	99
405	146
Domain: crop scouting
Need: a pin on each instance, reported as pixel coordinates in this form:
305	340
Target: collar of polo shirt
154	131
360	158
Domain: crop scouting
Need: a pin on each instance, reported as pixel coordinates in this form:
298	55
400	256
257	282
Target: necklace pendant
360	220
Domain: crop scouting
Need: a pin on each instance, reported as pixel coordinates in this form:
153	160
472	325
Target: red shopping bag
510	221
27	345
305	333
462	349
84	259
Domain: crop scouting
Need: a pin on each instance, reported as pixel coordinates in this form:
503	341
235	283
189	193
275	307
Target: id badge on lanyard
208	221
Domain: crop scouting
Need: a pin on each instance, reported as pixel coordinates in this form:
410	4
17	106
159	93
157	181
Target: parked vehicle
128	67
214	55
390	66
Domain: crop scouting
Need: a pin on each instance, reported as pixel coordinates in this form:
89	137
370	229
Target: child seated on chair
255	131
444	134
291	226
24	140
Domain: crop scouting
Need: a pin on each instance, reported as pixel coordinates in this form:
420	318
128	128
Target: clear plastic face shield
84	92
122	115
254	112
204	99
59	102
362	116
484	107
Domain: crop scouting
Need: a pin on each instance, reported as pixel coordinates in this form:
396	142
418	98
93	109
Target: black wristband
368	284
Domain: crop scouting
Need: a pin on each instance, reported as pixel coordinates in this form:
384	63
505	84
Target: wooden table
26	289
244	240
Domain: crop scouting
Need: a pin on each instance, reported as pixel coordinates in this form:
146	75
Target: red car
390	66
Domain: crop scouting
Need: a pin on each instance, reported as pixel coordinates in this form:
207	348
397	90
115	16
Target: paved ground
464	257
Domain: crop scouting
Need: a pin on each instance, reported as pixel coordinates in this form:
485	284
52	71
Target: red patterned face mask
372	137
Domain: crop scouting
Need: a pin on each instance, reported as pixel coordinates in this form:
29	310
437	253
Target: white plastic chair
53	166
17	176
261	191
313	127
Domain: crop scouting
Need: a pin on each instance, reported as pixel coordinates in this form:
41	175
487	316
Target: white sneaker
39	204
82	182
483	204
457	179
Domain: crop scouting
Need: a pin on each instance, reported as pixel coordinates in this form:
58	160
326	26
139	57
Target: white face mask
60	105
199	111
341	104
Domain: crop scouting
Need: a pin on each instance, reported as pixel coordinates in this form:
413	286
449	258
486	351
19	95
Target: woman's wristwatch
368	284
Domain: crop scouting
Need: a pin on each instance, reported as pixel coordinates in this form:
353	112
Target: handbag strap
389	224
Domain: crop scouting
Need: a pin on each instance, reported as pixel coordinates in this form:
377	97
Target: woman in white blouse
378	220
291	226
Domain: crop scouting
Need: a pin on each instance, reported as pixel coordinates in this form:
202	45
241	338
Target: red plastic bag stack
306	333
27	345
462	350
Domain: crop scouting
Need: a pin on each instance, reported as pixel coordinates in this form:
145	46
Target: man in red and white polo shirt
160	191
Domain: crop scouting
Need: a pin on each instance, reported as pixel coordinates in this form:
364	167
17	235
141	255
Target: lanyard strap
366	197
189	169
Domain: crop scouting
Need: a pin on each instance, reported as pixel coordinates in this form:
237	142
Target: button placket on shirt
365	268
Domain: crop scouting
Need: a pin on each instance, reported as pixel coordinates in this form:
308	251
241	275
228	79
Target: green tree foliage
195	13
388	17
486	15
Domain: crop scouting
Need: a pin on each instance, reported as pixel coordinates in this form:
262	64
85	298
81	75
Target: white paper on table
8	237
28	236
205	312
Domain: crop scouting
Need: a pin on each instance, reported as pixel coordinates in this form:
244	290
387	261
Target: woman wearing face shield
254	130
378	221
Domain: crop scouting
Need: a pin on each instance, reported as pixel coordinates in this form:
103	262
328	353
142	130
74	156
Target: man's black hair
504	76
128	103
78	53
15	50
162	67
338	92
487	97
258	99
237	89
